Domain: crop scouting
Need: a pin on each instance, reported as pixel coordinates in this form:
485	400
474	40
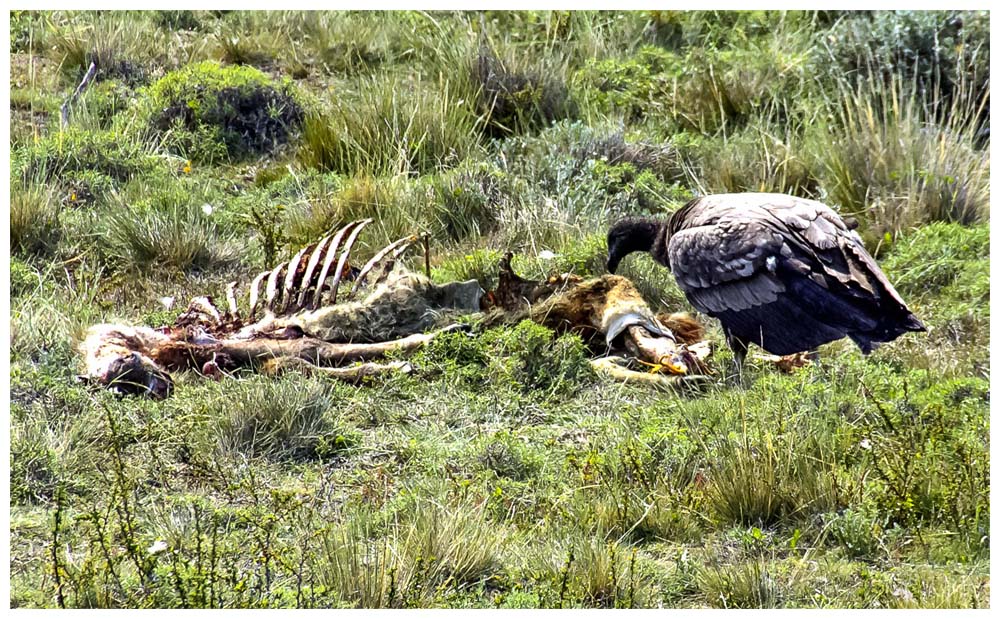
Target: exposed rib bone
310	269
207	307
234	310
272	288
402	244
343	258
255	294
331	253
293	267
391	262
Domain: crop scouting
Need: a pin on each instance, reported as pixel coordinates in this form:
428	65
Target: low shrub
204	106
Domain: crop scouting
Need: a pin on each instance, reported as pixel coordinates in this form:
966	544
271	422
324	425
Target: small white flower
207	208
157	547
167	302
865	444
546	254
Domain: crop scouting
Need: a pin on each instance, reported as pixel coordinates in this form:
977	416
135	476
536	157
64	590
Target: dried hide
304	327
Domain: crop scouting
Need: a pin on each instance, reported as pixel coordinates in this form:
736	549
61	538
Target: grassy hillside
503	473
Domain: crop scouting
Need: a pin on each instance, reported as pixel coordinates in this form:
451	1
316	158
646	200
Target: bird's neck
652	235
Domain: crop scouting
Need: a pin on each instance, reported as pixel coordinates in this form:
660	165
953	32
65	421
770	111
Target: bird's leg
739	348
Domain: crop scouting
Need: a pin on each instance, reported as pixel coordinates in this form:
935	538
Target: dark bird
785	273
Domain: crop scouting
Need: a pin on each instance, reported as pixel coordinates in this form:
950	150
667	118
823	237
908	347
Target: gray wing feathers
736	295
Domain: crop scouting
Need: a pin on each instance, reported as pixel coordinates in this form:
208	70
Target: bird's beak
612	264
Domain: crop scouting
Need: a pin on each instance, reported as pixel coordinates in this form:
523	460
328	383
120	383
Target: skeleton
303	325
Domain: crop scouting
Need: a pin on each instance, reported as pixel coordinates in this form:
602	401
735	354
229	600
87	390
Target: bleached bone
234	310
397	248
255	294
293	267
331	254
207	307
310	269
272	289
343	259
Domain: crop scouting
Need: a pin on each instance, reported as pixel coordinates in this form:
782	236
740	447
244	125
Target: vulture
782	272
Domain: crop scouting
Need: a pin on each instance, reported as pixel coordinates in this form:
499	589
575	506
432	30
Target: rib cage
301	283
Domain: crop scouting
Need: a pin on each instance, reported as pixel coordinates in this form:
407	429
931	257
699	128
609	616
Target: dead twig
64	108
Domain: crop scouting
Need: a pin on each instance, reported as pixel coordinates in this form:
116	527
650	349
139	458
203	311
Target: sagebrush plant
502	472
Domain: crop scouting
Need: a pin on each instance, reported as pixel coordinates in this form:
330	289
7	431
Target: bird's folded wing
727	266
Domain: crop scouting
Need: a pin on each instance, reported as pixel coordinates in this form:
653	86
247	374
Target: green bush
634	87
538	361
22	277
204	106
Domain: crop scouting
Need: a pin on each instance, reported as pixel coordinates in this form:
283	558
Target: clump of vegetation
205	106
280	420
117	155
390	126
34	219
182	238
943	53
515	101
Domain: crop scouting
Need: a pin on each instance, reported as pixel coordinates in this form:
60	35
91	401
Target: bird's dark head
629	235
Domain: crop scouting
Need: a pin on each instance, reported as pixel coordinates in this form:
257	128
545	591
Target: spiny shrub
538	361
205	105
515	101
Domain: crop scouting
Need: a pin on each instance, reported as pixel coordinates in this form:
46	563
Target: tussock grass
182	239
889	159
748	585
278	420
391	125
34	219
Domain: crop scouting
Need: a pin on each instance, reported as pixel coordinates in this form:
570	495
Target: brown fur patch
684	326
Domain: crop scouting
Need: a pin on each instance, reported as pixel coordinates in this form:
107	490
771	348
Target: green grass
503	473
